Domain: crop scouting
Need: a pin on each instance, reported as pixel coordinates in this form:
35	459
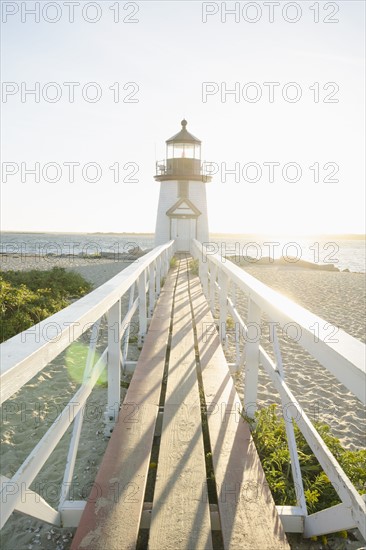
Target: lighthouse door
183	234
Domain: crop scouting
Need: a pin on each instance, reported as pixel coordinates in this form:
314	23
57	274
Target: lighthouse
182	209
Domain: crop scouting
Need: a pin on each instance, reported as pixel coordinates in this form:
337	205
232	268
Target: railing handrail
344	358
25	354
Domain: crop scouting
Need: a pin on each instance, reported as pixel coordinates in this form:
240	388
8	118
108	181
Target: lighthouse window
179	150
184	150
170	151
188	151
183	189
197	151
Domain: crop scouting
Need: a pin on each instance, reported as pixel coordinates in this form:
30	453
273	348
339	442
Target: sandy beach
95	270
29	413
337	297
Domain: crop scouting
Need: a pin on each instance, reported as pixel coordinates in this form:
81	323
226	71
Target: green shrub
194	267
269	434
230	324
28	297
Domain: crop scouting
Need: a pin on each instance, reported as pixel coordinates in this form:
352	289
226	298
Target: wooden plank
180	517
112	515
248	515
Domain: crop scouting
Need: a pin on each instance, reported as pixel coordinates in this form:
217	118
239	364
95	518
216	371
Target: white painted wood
24	355
158	276
290	433
30	503
183	235
204	277
74	443
248	518
167	228
114	365
213	276
126	324
41	452
344	358
252	359
234	291
237	319
292	518
71	512
341	483
223	295
197	195
167	198
18	367
151	288
331	520
142	309
112	519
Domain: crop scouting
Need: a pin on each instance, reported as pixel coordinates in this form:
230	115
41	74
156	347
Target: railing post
252	358
142	309
126	330
78	422
158	276
163	270
213	276
224	286
204	277
166	262
237	327
290	432
114	366
152	277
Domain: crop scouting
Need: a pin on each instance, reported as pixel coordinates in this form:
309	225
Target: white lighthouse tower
182	210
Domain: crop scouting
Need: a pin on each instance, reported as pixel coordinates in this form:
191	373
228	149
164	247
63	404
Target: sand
30	412
337	297
95	270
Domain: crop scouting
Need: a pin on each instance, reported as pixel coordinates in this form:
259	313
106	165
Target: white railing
343	357
26	354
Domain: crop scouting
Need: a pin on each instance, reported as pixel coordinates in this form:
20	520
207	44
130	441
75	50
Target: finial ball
184	123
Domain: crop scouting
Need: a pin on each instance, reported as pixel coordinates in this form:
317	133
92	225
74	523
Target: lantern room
183	158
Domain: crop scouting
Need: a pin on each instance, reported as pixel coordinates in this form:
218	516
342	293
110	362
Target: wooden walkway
179	427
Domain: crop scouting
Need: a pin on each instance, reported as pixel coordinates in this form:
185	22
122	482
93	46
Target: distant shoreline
344	236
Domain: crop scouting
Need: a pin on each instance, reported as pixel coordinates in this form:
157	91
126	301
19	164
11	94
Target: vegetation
28	297
194	267
173	262
230	325
269	434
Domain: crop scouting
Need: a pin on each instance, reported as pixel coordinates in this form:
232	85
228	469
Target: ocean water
344	253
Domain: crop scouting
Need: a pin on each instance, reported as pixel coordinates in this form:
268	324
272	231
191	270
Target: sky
160	62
